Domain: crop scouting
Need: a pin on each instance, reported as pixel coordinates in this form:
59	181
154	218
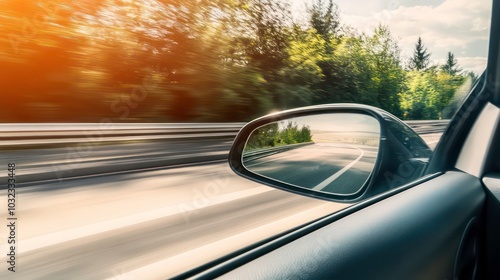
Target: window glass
117	117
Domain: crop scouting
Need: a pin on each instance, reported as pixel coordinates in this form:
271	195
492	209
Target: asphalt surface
155	224
114	226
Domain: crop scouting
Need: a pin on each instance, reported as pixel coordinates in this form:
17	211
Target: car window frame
486	89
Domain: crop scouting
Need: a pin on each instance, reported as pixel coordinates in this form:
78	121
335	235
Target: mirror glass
333	153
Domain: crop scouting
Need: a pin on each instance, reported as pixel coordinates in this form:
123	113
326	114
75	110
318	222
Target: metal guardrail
252	155
21	140
428	126
25	135
22	135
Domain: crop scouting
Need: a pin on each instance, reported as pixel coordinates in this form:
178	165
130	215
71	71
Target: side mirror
336	152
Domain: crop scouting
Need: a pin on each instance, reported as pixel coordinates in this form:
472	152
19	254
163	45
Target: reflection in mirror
333	153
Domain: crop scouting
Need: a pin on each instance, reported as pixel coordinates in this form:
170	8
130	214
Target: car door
444	225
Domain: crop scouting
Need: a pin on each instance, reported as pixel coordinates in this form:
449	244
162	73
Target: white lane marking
332	178
100	227
174	265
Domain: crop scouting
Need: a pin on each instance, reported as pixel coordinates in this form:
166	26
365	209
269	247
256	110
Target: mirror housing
401	157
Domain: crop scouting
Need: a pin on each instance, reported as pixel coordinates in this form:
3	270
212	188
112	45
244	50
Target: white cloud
476	64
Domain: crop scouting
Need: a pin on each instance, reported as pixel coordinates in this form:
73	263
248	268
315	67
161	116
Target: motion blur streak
56	241
148	225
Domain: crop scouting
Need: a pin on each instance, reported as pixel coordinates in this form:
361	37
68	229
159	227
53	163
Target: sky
459	26
339	122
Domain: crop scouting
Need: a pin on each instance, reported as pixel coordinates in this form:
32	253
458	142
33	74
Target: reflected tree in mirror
271	135
333	153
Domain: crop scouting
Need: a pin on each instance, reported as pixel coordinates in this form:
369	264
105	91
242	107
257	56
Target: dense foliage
274	135
204	60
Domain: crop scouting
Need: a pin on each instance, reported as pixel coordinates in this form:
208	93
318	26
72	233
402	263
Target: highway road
149	224
118	226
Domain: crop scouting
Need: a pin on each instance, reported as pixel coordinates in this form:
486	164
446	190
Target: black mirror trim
235	155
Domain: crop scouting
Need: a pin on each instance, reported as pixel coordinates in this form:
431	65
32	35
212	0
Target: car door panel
473	158
492	221
417	233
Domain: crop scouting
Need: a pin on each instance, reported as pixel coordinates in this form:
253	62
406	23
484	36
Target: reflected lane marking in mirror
332	178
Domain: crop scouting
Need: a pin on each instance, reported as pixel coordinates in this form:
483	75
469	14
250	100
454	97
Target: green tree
291	134
447	86
428	94
264	24
451	65
278	134
417	99
334	86
263	137
204	60
303	73
421	58
387	75
324	18
350	73
263	29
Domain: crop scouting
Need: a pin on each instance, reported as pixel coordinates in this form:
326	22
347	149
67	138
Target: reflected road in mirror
338	157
